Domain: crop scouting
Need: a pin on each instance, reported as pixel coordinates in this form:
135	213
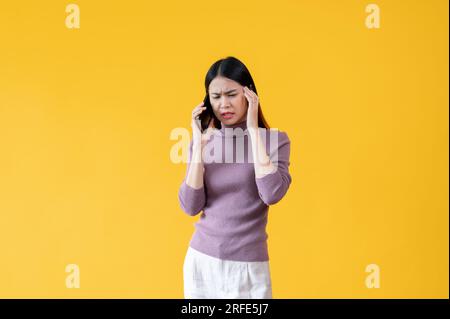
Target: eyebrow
229	91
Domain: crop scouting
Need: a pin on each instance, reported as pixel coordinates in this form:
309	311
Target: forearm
194	176
262	163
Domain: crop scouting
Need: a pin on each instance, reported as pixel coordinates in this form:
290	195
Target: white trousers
207	277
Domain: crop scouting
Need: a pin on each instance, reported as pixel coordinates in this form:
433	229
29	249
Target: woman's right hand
199	138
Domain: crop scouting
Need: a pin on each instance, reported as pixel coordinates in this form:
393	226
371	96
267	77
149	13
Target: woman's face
228	100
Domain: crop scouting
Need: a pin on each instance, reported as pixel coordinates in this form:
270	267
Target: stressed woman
227	256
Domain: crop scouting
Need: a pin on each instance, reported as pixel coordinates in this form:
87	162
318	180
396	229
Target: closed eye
216	97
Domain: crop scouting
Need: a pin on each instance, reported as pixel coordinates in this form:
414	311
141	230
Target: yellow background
85	119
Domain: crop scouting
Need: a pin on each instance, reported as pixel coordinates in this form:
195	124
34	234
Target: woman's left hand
252	111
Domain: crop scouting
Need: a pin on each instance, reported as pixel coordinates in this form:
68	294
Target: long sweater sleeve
272	187
192	200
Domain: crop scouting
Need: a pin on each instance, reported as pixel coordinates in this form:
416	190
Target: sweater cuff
191	199
191	191
268	180
269	187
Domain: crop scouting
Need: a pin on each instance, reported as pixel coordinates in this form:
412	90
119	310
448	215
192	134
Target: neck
242	125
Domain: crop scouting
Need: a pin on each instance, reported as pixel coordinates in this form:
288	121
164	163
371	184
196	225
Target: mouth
227	115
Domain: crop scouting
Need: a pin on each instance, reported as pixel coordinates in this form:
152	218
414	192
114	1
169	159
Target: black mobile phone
207	115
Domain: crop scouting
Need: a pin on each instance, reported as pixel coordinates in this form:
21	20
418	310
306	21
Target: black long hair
233	69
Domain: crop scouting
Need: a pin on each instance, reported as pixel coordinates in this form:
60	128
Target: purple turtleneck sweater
234	202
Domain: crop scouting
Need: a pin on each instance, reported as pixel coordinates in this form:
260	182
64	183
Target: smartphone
207	115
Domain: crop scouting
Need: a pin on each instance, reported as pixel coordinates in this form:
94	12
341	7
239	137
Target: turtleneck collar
230	128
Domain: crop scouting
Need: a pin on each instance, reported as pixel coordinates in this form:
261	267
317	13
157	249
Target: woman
227	256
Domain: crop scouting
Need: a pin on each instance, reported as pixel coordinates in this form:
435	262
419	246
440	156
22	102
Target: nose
224	103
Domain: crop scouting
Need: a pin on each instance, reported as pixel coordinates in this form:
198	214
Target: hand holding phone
201	121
